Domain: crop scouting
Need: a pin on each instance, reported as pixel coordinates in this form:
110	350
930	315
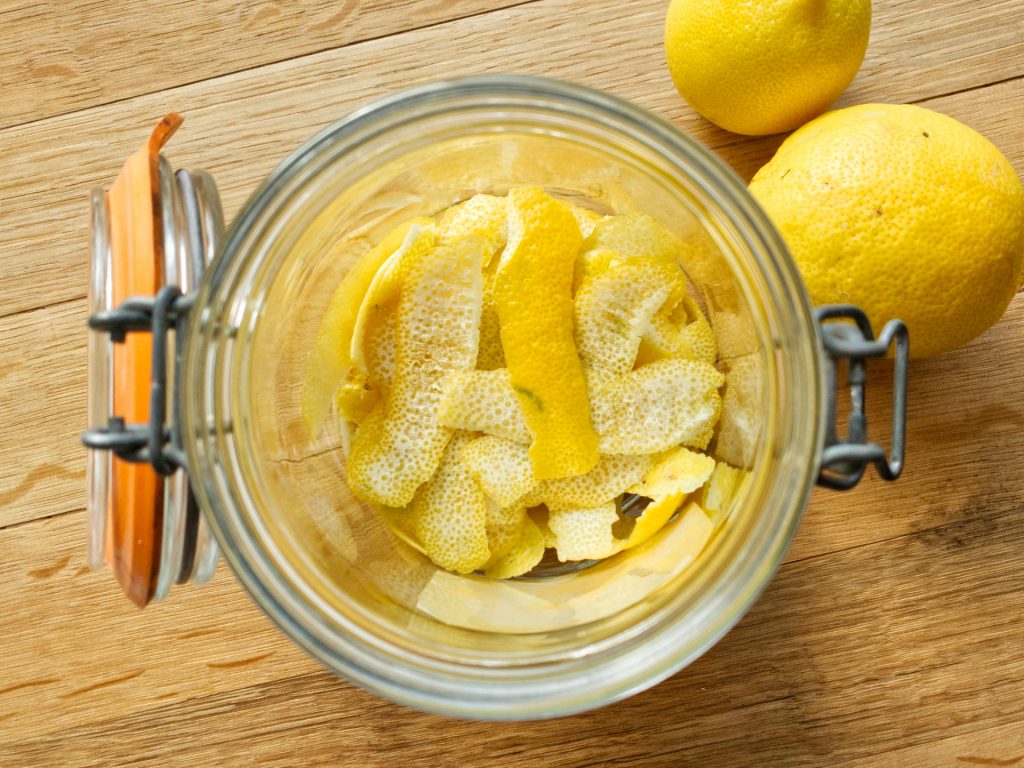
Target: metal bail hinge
845	458
159	442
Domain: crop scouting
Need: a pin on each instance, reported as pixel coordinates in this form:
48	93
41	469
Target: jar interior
337	549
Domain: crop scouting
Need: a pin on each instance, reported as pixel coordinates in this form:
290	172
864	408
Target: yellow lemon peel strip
502	468
684	332
355	398
584	533
329	360
741	408
717	495
533	295
667	403
491	355
381	298
614	308
504	529
679	471
634	235
485	217
400	444
523	557
586	219
611	476
483	401
660	512
481	216
449	514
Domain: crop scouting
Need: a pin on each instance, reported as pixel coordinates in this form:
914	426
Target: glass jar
323	565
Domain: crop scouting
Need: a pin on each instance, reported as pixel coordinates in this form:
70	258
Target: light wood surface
890	636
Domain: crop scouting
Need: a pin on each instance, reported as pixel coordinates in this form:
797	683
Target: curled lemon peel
382	296
523	557
634	235
329	359
482	217
400	444
584	533
609	479
667	403
449	514
718	493
483	401
533	296
502	468
504	527
678	471
683	332
615	306
739	424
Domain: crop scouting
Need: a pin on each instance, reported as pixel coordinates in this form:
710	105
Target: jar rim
652	653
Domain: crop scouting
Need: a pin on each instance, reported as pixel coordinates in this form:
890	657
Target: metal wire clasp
845	459
158	442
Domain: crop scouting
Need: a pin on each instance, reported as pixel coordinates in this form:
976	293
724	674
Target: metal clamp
845	459
157	443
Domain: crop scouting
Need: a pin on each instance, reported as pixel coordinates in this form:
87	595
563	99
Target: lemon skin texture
904	212
759	67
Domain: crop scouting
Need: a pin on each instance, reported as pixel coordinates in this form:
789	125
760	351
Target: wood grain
73	645
240	126
889	636
42	470
793	684
73	54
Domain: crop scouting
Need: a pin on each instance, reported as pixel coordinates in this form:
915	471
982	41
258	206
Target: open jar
215	391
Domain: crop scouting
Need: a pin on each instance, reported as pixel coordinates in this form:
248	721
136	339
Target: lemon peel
652	519
381	297
584	533
523	557
378	346
449	514
481	216
609	479
660	512
483	401
329	359
539	515
614	308
586	219
355	398
484	217
682	332
667	403
739	424
717	495
401	443
679	471
491	354
533	295
634	235
502	468
504	527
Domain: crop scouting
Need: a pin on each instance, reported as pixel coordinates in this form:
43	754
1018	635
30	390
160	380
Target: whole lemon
765	66
904	212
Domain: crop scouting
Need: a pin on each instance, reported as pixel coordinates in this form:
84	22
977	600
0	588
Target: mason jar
199	443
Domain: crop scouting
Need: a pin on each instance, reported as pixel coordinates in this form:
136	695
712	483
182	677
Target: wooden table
890	636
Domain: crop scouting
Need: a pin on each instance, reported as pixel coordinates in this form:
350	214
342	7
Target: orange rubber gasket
135	513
